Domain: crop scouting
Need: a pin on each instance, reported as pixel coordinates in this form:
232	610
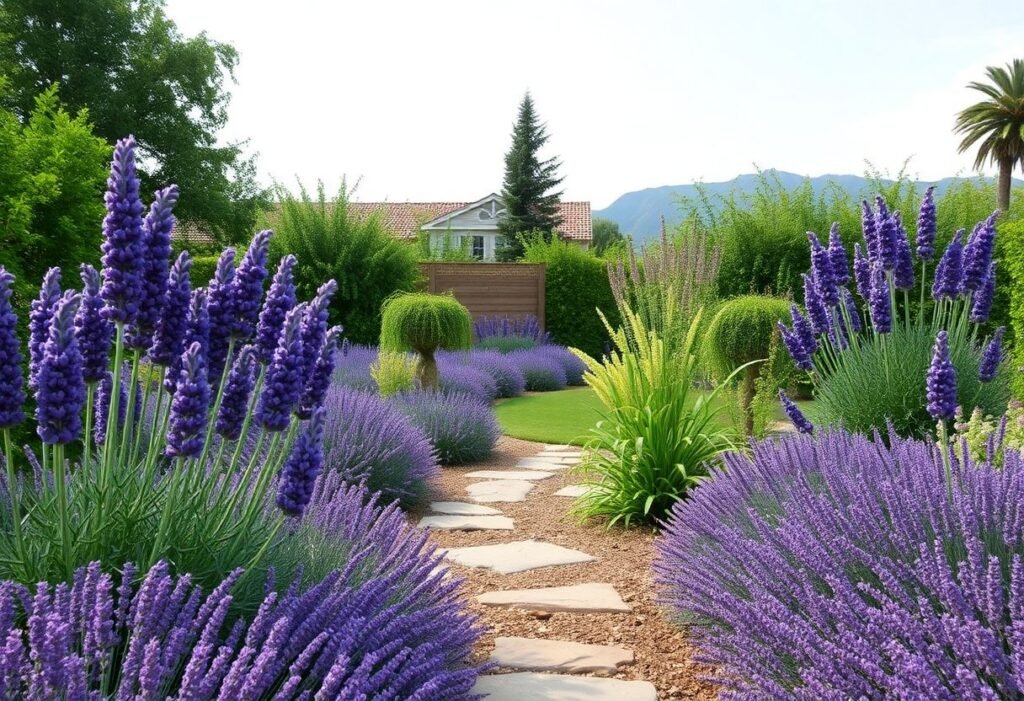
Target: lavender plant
458	375
543	373
505	335
509	379
461	427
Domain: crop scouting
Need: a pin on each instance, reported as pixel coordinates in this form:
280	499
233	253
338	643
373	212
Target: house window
478	247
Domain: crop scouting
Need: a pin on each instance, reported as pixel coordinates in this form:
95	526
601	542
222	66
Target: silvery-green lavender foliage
833	567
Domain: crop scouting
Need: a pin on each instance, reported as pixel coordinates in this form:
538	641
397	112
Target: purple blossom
93	333
926	226
543	373
837	256
12	394
457	375
124	262
816	310
795	415
949	272
285	377
302	467
320	377
525	327
103	392
248	285
977	255
156	252
169	336
60	389
313	329
941	381
862	273
903	273
508	377
800	341
280	299
234	404
851	311
867	221
221	306
992	357
981	306
196	331
885	225
40	313
190	406
821	271
880	303
801	358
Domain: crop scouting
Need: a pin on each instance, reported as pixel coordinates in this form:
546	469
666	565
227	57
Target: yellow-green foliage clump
425	323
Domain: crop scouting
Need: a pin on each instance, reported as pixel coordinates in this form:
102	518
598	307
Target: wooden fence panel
514	290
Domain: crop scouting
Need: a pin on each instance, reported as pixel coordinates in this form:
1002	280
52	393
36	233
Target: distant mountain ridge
639	213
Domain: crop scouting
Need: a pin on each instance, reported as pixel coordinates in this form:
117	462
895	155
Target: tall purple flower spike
941	381
93	333
797	351
926	226
821	271
992	357
837	255
981	307
881	306
60	391
903	273
802	328
851	311
795	415
862	272
320	377
235	402
40	313
156	251
280	299
248	286
285	376
949	272
222	314
103	392
314	325
885	225
196	331
302	468
12	393
169	336
867	222
123	257
978	253
190	406
815	307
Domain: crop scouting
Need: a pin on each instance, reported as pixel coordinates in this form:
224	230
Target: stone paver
560	454
539	464
584	598
453	522
539	655
521	686
573	490
462	508
519	556
556	448
499	490
530	475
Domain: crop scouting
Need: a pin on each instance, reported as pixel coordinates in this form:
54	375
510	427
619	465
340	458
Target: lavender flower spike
280	299
190	406
796	349
941	381
837	255
949	273
104	390
795	415
93	333
285	376
313	330
815	307
60	389
885	224
992	357
248	286
169	336
821	271
862	272
156	251
222	313
12	394
926	226
978	252
881	306
123	260
903	273
302	468
40	313
320	377
983	298
867	222
197	331
235	402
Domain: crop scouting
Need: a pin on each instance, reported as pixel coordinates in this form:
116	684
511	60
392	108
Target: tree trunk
750	376
1005	179
426	370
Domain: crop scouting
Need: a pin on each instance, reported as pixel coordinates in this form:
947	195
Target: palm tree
997	123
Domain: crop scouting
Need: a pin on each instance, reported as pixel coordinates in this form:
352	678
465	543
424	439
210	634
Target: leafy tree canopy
606	234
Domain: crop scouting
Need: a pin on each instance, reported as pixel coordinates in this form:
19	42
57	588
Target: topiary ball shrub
457	375
573	366
543	373
831	566
508	377
352	367
368	441
425	323
461	427
740	333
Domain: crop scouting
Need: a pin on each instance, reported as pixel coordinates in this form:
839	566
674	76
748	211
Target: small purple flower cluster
834	567
12	395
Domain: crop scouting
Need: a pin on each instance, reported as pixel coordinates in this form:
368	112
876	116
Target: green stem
129	413
947	468
62	507
90	398
110	434
137	442
165	516
12	487
243	484
216	404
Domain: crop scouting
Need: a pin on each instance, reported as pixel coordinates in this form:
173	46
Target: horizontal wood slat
514	290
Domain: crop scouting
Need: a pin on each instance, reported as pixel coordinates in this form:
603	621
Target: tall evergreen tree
527	192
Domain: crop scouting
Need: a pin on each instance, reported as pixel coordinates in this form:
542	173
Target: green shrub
366	259
203	269
740	334
425	323
506	344
393	373
1011	238
576	287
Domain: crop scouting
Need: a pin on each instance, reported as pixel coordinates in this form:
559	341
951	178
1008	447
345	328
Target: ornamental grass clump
461	427
425	323
866	359
393	373
834	567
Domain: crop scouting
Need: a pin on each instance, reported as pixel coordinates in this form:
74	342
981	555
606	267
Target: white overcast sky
417	99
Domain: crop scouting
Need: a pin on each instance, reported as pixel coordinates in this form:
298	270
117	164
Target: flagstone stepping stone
573	490
510	474
467	523
541	464
557	448
499	490
462	508
560	687
560	454
506	558
539	655
582	598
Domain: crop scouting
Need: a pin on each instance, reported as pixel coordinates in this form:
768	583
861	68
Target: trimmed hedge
203	269
1011	240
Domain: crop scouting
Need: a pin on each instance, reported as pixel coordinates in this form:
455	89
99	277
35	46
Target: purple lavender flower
41	311
801	358
103	393
949	272
816	310
803	330
941	381
320	377
977	255
981	306
221	305
821	271
93	333
248	285
862	272
903	273
992	357
867	221
190	406
60	389
926	226
885	225
509	379
795	415
280	299
851	311
462	428
313	329
156	252
124	263
543	373
302	468
881	305
235	401
197	331
169	336
285	377
12	395
837	255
